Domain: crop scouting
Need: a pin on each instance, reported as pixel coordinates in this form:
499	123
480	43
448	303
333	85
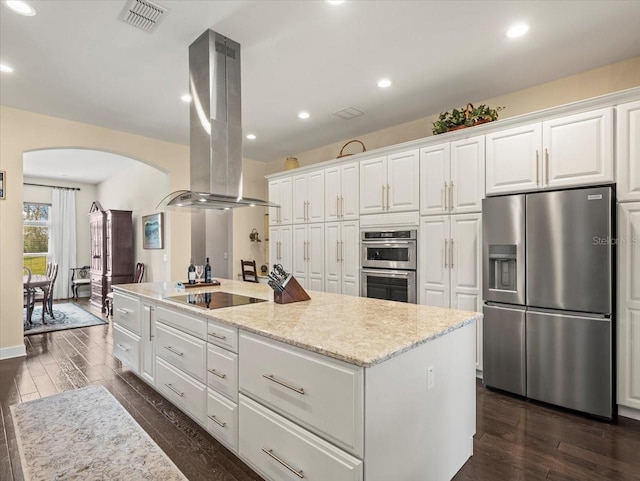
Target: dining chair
137	279
27	293
249	271
45	295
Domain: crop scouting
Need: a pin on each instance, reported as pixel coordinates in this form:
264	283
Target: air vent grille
349	113
143	14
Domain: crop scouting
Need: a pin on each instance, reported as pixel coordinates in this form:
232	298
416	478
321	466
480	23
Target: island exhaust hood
216	129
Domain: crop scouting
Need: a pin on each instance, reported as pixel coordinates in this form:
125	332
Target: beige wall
21	131
600	81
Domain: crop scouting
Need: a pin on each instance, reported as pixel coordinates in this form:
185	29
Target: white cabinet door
628	152
349	197
514	160
280	192
315	196
434	273
299	266
350	258
315	257
300	198
332	192
147	341
466	189
434	179
578	149
629	306
332	268
465	262
280	248
373	184
275	197
403	181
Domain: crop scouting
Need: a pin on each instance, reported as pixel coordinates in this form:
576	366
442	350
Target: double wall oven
388	261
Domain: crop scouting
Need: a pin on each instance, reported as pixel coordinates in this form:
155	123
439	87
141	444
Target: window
35	218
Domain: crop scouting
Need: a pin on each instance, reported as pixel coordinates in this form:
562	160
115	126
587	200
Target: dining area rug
66	315
86	434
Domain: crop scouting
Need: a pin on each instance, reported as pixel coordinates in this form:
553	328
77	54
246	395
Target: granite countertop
356	330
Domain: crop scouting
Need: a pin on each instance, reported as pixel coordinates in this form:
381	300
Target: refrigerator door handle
582	315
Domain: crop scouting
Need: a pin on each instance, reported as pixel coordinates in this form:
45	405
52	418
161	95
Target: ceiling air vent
349	113
143	14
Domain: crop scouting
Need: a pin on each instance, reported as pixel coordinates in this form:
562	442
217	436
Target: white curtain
63	238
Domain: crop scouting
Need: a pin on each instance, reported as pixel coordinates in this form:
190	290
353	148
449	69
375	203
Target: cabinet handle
451	196
170	349
217	421
269	452
122	311
337	251
338	206
446	248
342	251
537	167
388	190
217	336
383	197
342	207
451	258
444	195
216	373
270	377
125	349
546	155
181	394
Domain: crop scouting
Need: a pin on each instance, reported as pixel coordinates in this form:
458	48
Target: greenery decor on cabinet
465	117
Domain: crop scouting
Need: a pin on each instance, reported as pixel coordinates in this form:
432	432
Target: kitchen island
334	388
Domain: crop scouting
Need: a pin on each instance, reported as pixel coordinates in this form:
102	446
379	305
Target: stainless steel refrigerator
548	291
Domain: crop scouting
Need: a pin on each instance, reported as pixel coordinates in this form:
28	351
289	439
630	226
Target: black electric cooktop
215	300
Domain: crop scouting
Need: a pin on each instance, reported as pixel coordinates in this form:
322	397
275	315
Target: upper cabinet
308	197
628	151
565	152
452	177
390	184
280	192
341	189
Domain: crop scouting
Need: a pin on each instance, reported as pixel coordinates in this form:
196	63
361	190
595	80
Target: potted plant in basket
466	117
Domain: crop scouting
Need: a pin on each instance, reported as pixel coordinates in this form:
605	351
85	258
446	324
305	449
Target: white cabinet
390	184
308	197
450	271
308	256
513	160
452	177
564	152
628	151
629	305
342	258
281	192
280	251
147	341
341	188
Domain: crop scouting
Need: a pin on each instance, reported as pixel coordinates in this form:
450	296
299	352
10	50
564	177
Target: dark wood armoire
111	251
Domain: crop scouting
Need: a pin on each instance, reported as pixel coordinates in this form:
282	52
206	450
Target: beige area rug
86	434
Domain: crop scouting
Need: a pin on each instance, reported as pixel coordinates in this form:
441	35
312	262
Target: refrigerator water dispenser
503	268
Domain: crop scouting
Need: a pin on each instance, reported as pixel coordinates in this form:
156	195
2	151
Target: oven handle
385	273
393	243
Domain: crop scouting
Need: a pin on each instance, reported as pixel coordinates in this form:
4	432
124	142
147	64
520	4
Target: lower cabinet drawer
222	420
222	371
182	390
126	347
182	350
191	324
126	311
281	450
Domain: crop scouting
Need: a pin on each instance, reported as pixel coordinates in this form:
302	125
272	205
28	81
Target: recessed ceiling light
23	8
251	137
226	208
304	115
5	68
252	205
333	2
384	83
517	30
186	98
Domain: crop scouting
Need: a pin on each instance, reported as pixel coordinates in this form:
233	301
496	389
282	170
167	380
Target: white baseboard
629	412
13	351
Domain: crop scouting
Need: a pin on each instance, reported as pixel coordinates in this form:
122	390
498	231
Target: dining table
30	286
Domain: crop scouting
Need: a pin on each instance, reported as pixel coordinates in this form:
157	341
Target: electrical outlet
430	377
226	256
164	257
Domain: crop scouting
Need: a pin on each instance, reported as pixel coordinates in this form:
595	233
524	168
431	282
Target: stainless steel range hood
216	128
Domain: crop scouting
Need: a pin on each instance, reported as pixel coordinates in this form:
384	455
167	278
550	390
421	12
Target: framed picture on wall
2	184
152	231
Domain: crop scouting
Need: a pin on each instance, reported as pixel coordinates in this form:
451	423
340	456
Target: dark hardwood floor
515	439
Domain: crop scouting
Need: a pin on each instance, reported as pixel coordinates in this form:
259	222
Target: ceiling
76	60
74	165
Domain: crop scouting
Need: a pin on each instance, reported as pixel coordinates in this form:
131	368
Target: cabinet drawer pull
122	311
383	197
342	207
546	156
338	206
388	190
451	196
270	377
125	349
269	452
341	251
451	258
170	349
446	243
444	195
216	373
217	421
181	394
217	336
337	251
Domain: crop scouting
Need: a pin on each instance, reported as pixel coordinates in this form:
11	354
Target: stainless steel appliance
215	300
548	291
388	263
